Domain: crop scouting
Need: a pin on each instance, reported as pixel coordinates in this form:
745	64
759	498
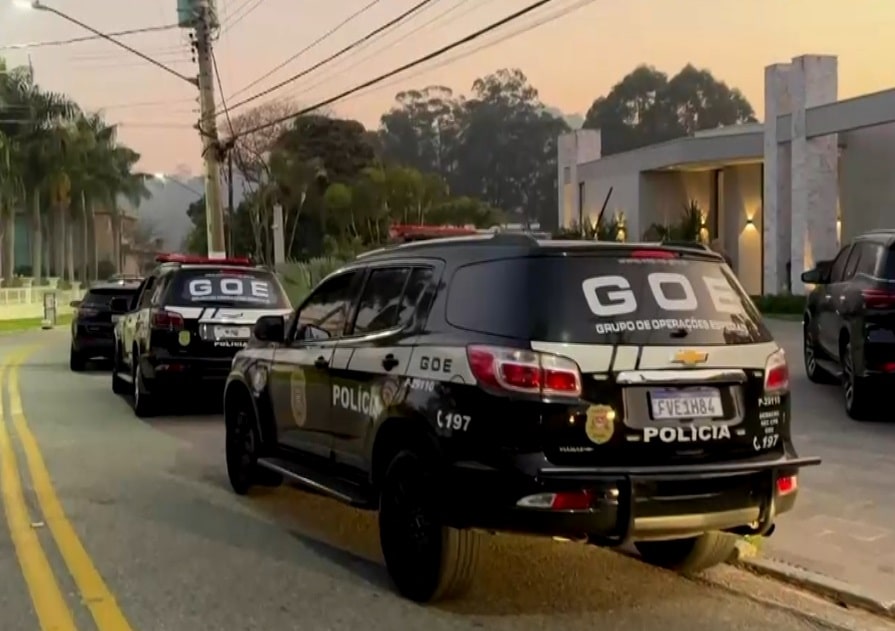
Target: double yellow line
53	612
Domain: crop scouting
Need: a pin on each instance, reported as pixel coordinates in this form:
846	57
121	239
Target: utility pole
211	149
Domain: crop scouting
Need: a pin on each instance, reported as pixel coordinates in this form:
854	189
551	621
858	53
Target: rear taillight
776	373
519	370
787	484
87	312
878	298
653	254
167	321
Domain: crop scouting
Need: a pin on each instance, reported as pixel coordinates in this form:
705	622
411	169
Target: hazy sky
571	60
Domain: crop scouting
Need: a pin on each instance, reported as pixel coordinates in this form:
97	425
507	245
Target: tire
76	361
426	560
815	373
143	401
691	555
243	446
119	385
856	392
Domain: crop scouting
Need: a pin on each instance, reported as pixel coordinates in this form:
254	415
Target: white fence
28	302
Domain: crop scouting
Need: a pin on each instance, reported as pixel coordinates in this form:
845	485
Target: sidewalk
843	526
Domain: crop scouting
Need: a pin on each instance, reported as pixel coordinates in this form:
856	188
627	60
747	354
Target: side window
148	290
870	255
324	315
160	286
837	271
888	266
417	295
380	304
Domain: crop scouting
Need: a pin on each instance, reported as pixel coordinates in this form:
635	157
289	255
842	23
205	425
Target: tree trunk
56	240
85	240
116	237
94	242
70	252
9	240
36	237
61	240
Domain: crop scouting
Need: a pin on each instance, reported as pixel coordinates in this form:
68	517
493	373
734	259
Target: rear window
103	297
889	264
605	300
227	288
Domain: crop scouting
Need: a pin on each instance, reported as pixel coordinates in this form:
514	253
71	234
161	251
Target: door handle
389	362
321	363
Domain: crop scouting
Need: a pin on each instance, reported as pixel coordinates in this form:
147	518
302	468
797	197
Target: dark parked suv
93	323
849	322
601	391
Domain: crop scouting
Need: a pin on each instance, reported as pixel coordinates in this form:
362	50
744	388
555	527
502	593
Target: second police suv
185	323
606	392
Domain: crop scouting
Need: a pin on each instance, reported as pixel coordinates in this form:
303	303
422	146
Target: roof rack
518	239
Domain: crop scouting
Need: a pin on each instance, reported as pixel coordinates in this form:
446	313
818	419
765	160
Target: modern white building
778	195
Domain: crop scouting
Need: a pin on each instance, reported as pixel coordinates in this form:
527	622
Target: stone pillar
573	149
814	167
776	194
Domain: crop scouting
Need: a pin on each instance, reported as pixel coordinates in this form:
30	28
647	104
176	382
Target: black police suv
186	321
605	392
93	322
849	322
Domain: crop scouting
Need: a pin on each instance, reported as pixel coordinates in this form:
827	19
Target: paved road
844	524
141	532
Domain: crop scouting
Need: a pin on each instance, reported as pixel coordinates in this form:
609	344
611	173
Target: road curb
825	586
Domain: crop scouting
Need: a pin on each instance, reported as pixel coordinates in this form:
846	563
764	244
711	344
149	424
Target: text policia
611	296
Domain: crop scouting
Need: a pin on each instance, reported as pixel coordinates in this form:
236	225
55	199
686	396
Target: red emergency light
191	259
421	232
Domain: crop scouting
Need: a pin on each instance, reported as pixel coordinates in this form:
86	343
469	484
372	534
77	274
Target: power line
485	45
89	38
336	55
230	26
317	41
406	36
217	76
416	62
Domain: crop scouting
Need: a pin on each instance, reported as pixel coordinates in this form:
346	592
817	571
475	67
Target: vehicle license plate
678	404
232	333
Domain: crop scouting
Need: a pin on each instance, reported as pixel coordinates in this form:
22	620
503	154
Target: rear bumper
185	371
625	504
94	345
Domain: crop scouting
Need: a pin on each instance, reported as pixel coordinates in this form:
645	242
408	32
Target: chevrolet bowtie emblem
690	357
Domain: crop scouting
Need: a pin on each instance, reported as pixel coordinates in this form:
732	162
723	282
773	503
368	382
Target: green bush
299	278
780	304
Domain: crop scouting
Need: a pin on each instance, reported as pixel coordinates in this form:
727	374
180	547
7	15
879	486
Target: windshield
228	288
103	297
601	299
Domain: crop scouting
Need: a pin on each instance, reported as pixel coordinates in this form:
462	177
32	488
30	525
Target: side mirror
120	305
74	304
270	329
819	275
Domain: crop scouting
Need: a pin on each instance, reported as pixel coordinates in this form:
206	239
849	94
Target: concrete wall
741	223
866	185
664	196
625	199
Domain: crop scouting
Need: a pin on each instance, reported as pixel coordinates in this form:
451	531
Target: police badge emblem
298	397
600	424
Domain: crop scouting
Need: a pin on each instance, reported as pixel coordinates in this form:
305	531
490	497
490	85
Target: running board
332	486
830	367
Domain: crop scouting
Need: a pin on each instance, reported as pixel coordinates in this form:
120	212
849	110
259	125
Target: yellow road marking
99	599
53	613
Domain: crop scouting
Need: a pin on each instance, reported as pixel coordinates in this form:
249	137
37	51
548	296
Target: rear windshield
227	288
103	297
605	300
889	264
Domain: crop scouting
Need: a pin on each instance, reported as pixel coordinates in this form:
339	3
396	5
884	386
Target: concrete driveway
844	523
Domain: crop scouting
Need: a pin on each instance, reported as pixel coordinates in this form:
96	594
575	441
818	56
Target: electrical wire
405	37
89	38
416	62
580	4
336	55
230	26
317	41
217	76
